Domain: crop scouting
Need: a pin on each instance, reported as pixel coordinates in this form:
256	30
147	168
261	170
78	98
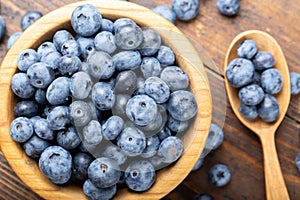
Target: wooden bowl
187	58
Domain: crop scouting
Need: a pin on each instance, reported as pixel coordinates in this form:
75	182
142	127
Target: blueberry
92	134
27	58
175	78
104	172
239	72
42	129
2	28
58	91
164	133
105	41
165	12
268	109
115	153
20	85
96	193
70	47
251	94
219	175
297	161
141	109
100	65
157	89
21	129
119	107
151	43
86	46
177	126
112	127
182	105
247	49
127	60
150	66
60	37
81	162
58	117
215	137
45	48
198	164
140	175
11	40
29	18
56	164
122	22
107	25
81	85
170	149
157	124
51	59
295	83
26	109
69	138
228	7
152	144
249	112
35	146
165	55
186	9
68	65
126	82
271	81
86	20
132	141
80	113
256	78
103	96
203	197
40	75
263	60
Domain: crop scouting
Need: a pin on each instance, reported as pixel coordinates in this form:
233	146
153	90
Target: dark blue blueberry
263	60
60	37
141	109
103	96
56	164
92	134
45	48
70	47
126	82
69	138
26	109
40	75
175	78
58	117
295	83
251	94
81	147
51	59
104	172
164	133
247	49
132	141
151	43
228	7
21	129
219	175
112	127
268	109
182	105
215	137
86	20
249	112
271	81
152	144
105	41
107	25
100	65
96	193
140	175
29	18
11	40
297	161
239	72
115	153
2	28
186	9
170	149
58	92
256	78
150	66
198	164
157	89
81	162
80	113
20	85
177	126
119	107
35	146
40	97
165	12
165	55
127	60
203	197
42	129
68	65
86	46
81	85
27	58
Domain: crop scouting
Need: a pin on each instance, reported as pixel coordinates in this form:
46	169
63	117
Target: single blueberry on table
203	196
263	60
100	65
21	129
215	137
295	83
247	49
175	78
165	55
271	81
45	48
251	94
198	164
170	149
20	85
103	96
127	60
228	7
60	37
157	89
249	112
80	164
81	85
105	41
58	117
26	109
80	113
11	40
69	138
186	9
56	164
26	58
35	146
40	75
150	66
268	109
96	193
219	175
58	92
112	127
42	129
151	43
165	12
29	18
2	28
68	65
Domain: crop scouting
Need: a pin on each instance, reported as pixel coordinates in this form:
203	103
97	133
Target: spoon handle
275	185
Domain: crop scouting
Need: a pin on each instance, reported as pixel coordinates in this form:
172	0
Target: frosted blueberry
26	58
2	28
20	85
165	12
100	65
92	134
186	9
157	89
43	130
198	164
112	127
175	78
127	60
126	82
11	40
170	149
164	133
96	193
80	164
80	85
295	83
26	109
268	109
51	59
249	112
29	18
152	144
251	94
219	175
40	75
203	196
107	25
86	46
58	92
215	137
228	7
35	146
150	66
68	139
80	113
105	41
86	20
271	81
247	49
103	96
151	43
119	107
177	126
70	47
115	153
21	129
61	37
58	117
68	65
263	60
45	48
297	161
165	55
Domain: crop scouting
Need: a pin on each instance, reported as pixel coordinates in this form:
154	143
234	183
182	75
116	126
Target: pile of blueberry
102	107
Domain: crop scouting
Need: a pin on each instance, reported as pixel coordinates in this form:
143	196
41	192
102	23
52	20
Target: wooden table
241	149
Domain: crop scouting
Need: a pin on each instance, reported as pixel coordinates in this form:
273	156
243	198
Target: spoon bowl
275	186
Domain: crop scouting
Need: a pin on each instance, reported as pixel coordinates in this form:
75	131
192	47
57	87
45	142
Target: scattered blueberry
203	197
198	164
2	28
165	12
263	60
186	9
29	18
228	7
297	161
215	137
247	49
11	40
271	81
96	193
21	129
268	109
295	83
219	175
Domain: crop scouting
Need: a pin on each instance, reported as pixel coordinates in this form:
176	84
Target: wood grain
241	149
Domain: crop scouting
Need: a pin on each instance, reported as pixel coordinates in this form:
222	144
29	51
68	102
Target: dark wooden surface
241	149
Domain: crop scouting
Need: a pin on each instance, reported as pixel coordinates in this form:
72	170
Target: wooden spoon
275	186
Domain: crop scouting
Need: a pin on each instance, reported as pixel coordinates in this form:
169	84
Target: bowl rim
188	59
